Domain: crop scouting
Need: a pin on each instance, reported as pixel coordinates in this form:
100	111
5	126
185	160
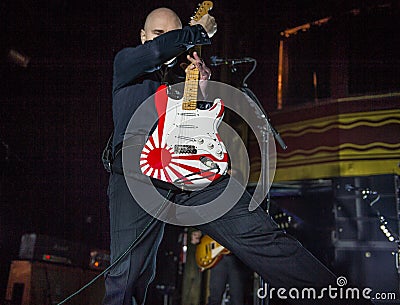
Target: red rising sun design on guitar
185	147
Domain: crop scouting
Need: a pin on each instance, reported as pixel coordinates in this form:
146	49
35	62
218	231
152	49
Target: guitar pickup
185	149
204	105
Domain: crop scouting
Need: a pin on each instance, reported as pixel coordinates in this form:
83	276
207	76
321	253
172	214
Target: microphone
217	61
208	162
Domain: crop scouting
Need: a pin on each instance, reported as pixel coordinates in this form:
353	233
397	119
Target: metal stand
265	129
166	293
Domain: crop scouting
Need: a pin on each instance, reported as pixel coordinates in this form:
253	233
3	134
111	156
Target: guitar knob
210	145
201	141
219	152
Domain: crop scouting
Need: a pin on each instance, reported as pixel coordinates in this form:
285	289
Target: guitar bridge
185	149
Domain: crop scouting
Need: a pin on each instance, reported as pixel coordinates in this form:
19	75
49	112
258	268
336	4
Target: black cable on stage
141	235
129	249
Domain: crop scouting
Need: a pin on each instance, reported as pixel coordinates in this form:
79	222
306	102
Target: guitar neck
191	89
193	75
191	85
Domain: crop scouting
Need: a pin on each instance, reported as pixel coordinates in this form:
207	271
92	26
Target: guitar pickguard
182	137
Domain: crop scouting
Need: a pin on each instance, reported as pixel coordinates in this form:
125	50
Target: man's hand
208	23
195	237
205	72
197	62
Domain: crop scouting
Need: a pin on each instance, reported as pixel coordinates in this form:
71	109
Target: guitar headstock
192	76
202	9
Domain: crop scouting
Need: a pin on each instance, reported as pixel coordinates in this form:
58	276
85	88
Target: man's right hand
208	23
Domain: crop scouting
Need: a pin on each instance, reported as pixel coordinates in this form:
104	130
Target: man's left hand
197	62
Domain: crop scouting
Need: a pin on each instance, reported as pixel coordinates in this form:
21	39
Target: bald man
138	72
252	236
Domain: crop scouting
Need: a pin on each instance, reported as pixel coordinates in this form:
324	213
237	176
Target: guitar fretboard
191	89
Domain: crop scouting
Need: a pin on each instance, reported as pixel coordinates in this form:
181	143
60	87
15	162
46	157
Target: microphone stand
265	129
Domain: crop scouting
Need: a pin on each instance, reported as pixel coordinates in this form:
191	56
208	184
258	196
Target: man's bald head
159	21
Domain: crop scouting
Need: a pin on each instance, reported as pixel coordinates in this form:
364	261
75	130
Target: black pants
229	270
252	236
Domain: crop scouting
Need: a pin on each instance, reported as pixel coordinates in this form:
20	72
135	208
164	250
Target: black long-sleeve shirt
138	74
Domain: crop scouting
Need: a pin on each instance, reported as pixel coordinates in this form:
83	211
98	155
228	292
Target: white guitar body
185	148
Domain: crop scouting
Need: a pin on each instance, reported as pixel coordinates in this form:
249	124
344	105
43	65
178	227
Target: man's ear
142	36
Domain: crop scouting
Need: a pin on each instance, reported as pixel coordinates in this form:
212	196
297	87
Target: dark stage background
55	112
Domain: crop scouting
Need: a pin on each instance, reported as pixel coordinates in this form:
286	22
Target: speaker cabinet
50	249
337	220
357	203
38	283
368	267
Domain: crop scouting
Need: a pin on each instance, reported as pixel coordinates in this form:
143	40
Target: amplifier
49	249
41	283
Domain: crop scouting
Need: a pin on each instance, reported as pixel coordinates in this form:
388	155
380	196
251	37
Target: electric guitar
209	253
185	147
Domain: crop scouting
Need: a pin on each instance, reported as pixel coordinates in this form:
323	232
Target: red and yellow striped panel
350	137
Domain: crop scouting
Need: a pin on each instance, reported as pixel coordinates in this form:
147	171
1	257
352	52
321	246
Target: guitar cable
129	249
142	234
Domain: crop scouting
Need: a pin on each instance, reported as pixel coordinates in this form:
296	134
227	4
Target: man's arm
131	63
